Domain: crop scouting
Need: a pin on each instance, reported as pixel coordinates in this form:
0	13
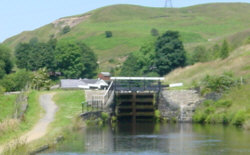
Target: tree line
38	61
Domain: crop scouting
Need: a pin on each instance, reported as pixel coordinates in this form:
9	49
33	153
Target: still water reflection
158	139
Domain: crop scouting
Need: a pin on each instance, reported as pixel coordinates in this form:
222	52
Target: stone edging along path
40	128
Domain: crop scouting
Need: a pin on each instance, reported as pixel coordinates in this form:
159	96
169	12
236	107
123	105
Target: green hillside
131	25
238	63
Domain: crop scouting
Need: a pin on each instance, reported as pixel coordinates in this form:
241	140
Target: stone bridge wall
178	104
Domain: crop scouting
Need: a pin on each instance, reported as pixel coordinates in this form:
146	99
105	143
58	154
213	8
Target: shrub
157	115
218	83
224	53
104	116
65	29
223	103
16	81
154	32
199	117
239	118
108	34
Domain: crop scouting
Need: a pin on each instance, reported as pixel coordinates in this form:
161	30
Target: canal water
156	139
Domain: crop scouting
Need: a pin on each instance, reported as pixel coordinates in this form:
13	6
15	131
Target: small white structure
176	85
83	84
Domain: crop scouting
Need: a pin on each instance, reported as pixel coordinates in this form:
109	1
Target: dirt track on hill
40	129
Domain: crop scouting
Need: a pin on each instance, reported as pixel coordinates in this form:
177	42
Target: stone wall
178	104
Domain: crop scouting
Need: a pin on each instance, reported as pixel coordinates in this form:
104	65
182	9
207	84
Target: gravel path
40	129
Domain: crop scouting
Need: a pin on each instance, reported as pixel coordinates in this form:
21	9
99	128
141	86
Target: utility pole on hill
168	4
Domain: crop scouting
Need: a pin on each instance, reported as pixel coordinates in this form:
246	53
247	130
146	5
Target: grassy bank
7	106
233	108
15	128
69	107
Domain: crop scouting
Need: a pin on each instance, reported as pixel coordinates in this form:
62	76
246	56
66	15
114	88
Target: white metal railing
101	99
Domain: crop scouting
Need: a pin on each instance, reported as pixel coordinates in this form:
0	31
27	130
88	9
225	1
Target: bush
218	83
223	103
16	81
239	118
154	32
105	116
224	53
65	29
157	115
200	54
108	34
199	117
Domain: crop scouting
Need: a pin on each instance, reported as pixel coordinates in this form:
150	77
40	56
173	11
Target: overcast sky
22	15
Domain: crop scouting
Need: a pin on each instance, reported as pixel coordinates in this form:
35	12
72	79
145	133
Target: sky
25	15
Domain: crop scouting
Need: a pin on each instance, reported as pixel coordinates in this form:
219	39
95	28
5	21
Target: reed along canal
155	139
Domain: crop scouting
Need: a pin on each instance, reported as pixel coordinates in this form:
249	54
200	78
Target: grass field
131	25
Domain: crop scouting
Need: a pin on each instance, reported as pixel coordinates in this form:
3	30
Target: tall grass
233	108
13	128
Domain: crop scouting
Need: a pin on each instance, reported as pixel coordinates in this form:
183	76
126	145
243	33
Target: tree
154	32
140	63
170	52
224	53
35	55
5	61
108	34
75	60
130	66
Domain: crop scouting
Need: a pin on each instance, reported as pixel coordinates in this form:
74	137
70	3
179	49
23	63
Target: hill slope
238	62
131	25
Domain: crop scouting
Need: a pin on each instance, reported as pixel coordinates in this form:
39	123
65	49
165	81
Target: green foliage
215	50
105	116
2	90
157	115
5	61
140	63
170	53
16	81
239	118
108	34
224	50
218	83
41	79
132	24
248	40
200	54
75	60
154	32
35	55
65	29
